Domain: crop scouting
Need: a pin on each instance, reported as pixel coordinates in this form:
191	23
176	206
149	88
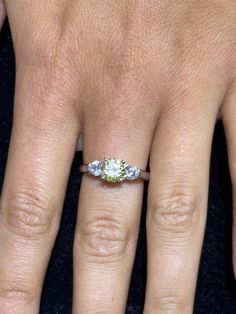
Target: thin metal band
145	175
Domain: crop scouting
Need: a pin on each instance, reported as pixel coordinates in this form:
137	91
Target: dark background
216	289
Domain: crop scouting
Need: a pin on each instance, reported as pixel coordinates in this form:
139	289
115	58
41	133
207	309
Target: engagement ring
114	170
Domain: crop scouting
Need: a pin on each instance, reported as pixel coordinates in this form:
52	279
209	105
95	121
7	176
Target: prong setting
113	170
95	168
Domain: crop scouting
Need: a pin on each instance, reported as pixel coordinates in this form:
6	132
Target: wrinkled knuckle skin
102	237
53	70
175	211
27	214
42	48
14	297
121	66
171	304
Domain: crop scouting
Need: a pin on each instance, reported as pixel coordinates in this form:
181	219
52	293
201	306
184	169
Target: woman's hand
136	78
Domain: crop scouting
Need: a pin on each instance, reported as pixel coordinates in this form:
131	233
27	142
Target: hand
137	78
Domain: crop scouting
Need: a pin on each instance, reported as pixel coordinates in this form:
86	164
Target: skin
2	13
138	79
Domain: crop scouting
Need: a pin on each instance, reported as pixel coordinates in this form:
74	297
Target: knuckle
175	211
27	214
103	236
52	87
175	304
16	294
42	47
51	69
123	65
11	295
120	65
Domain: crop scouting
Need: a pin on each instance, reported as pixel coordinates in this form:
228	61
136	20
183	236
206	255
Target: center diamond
113	170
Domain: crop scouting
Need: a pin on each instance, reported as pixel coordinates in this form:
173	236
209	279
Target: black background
216	289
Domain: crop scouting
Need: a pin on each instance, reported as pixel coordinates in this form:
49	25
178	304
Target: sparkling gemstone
113	170
95	168
132	172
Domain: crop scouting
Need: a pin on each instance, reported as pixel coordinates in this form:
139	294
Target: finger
108	216
2	13
177	204
229	120
41	151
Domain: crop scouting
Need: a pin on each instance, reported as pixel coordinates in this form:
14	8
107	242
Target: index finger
41	151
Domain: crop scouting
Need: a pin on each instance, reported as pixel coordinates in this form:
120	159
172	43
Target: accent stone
132	172
95	168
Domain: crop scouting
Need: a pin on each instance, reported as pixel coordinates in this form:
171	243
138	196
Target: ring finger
108	215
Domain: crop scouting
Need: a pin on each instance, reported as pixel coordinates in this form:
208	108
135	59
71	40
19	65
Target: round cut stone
132	172
113	170
95	168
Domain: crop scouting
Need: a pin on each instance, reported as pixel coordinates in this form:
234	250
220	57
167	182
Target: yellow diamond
113	170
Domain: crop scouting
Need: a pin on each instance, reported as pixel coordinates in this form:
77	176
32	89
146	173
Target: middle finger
177	200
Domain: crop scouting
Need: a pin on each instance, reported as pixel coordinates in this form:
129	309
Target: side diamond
132	172
95	168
